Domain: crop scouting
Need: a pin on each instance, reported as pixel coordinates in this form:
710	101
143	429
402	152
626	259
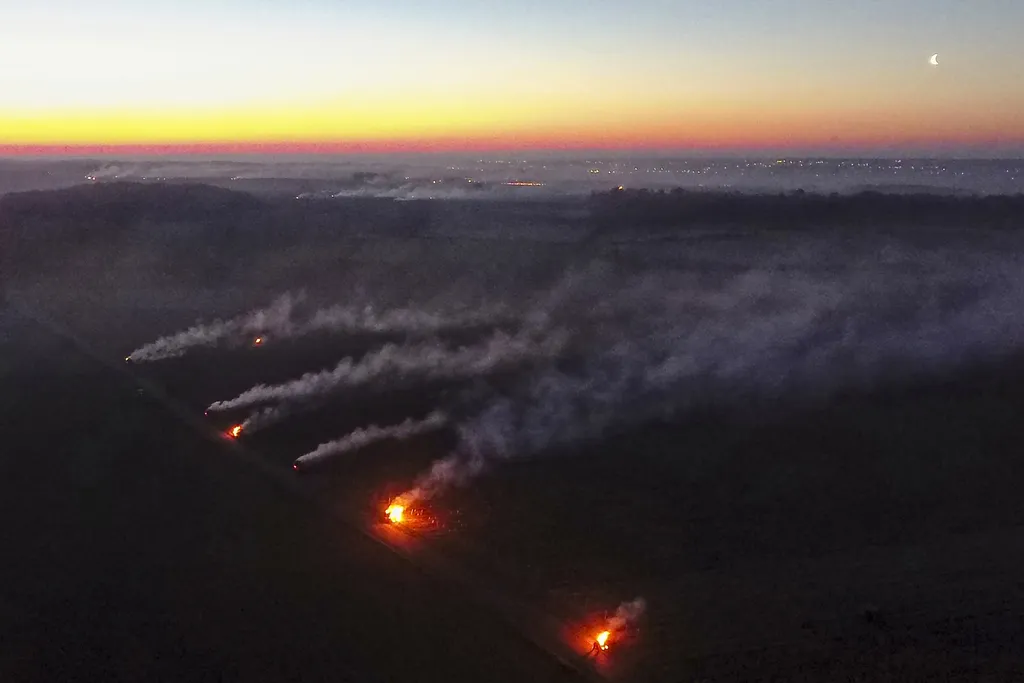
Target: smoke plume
265	417
627	614
363	437
275	319
410	321
421	361
748	339
278	320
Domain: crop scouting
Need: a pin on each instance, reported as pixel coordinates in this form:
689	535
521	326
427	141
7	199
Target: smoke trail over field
265	417
680	341
411	321
275	319
423	361
363	437
278	321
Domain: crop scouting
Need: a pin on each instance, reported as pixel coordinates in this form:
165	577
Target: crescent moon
934	59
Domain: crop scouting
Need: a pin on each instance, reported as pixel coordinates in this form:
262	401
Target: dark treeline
208	234
191	229
799	209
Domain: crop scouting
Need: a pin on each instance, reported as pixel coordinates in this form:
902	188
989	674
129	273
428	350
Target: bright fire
235	431
602	639
257	341
395	513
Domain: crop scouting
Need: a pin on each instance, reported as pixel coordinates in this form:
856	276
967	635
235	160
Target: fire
127	359
602	639
395	513
257	341
235	431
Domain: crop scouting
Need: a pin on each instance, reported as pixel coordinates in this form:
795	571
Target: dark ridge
120	202
206	234
203	234
200	232
43	226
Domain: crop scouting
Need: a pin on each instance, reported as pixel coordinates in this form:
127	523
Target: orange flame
257	341
602	639
235	431
395	513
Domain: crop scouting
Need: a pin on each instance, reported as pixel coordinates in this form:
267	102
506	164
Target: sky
301	75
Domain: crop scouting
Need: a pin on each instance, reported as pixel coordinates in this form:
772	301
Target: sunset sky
447	74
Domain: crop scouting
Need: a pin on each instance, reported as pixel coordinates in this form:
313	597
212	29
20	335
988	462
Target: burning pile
619	625
235	431
395	513
404	512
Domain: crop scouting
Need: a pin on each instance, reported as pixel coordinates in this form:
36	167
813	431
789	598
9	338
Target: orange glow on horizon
492	122
555	140
508	143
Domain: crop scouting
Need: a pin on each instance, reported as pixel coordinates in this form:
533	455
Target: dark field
138	548
840	504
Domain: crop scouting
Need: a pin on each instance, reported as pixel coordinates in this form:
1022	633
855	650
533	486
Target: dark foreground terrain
872	532
876	538
136	548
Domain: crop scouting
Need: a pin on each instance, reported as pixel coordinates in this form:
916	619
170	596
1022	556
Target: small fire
127	359
257	341
235	431
395	513
621	627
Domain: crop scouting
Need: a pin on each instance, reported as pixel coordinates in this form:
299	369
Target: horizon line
200	149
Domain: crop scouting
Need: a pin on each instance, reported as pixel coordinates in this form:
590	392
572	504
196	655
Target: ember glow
257	341
396	513
235	431
620	628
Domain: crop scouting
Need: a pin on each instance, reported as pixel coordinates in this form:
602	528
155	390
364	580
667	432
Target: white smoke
278	320
411	321
627	614
275	319
363	437
394	362
265	417
760	335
